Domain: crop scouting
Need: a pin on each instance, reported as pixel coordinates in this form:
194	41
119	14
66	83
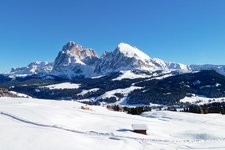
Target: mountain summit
130	51
127	57
75	60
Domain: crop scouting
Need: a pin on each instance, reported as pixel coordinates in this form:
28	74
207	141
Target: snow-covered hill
42	124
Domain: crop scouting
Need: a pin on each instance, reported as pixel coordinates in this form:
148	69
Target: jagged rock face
126	57
33	68
75	60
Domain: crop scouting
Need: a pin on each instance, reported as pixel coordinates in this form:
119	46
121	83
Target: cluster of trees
130	110
207	108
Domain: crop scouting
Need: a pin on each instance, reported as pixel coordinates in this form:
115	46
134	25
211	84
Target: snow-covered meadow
36	124
66	85
201	100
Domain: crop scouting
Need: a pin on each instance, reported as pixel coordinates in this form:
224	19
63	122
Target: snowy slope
42	124
130	75
201	100
84	92
66	85
124	92
130	51
20	94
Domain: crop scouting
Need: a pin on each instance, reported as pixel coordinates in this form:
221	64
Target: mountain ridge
75	60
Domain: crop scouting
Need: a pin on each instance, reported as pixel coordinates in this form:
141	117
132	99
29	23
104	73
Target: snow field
48	124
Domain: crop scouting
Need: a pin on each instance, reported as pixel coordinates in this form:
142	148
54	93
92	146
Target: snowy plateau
38	124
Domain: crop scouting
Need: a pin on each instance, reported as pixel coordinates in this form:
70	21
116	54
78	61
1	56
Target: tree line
217	107
130	110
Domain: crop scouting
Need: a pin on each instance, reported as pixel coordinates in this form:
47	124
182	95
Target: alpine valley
125	76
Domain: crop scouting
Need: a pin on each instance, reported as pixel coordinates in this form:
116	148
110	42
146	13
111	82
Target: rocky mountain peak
75	60
69	45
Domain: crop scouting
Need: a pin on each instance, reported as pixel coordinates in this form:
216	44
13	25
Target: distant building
140	128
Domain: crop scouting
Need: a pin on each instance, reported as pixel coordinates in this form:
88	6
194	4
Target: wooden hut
140	128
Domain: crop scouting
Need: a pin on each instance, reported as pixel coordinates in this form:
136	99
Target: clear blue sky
185	31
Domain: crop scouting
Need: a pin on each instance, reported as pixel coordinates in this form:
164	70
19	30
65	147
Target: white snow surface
201	100
139	127
20	94
160	76
130	75
66	85
96	77
36	124
112	93
131	51
84	92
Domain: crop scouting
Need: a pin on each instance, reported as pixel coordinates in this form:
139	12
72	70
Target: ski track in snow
142	141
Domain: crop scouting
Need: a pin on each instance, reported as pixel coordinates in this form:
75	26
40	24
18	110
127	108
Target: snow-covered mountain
75	60
177	66
33	68
126	57
218	68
